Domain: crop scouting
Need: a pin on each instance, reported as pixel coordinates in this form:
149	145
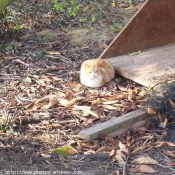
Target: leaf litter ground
44	106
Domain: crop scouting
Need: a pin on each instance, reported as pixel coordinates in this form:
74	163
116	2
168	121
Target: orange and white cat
96	73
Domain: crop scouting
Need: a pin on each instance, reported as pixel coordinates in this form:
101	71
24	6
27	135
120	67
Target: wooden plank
112	125
135	126
153	25
149	67
128	128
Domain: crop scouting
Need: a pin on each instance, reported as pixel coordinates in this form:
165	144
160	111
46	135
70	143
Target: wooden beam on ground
134	126
113	125
149	67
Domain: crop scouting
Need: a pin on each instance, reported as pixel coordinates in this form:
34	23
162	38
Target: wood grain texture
113	124
149	67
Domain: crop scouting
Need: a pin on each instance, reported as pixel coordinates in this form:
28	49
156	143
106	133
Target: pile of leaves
33	94
161	100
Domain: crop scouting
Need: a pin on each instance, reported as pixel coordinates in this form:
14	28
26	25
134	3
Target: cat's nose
92	75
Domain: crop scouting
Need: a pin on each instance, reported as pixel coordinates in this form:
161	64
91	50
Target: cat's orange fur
96	72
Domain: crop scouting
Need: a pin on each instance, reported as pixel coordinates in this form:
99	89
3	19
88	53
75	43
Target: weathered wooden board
148	67
152	26
113	124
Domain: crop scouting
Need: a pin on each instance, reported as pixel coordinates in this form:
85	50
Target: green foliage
135	53
86	8
116	27
93	19
9	20
27	80
106	166
17	26
88	12
82	20
7	122
64	151
71	9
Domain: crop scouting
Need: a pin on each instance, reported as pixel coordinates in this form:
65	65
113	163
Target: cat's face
92	71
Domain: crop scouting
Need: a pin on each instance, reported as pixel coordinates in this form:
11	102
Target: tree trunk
4	4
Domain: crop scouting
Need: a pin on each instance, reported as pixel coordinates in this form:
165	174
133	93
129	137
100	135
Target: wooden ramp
148	67
151	27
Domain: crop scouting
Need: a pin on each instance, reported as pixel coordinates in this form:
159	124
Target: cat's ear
86	66
100	62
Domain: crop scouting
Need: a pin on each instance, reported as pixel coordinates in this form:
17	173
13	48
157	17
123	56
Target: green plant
17	26
82	20
9	20
116	27
70	8
7	122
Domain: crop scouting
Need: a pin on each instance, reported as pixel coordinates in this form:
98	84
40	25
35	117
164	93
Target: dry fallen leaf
110	102
143	169
170	144
123	148
52	102
102	45
169	163
145	160
131	95
113	4
169	153
116	172
122	88
147	137
87	109
117	96
140	130
19	61
140	148
172	103
92	147
69	95
26	36
110	139
112	153
160	117
163	143
120	157
151	111
44	103
136	90
75	86
68	103
164	123
110	107
46	155
53	53
142	93
57	67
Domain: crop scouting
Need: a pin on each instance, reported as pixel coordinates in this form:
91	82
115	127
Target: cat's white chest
91	81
